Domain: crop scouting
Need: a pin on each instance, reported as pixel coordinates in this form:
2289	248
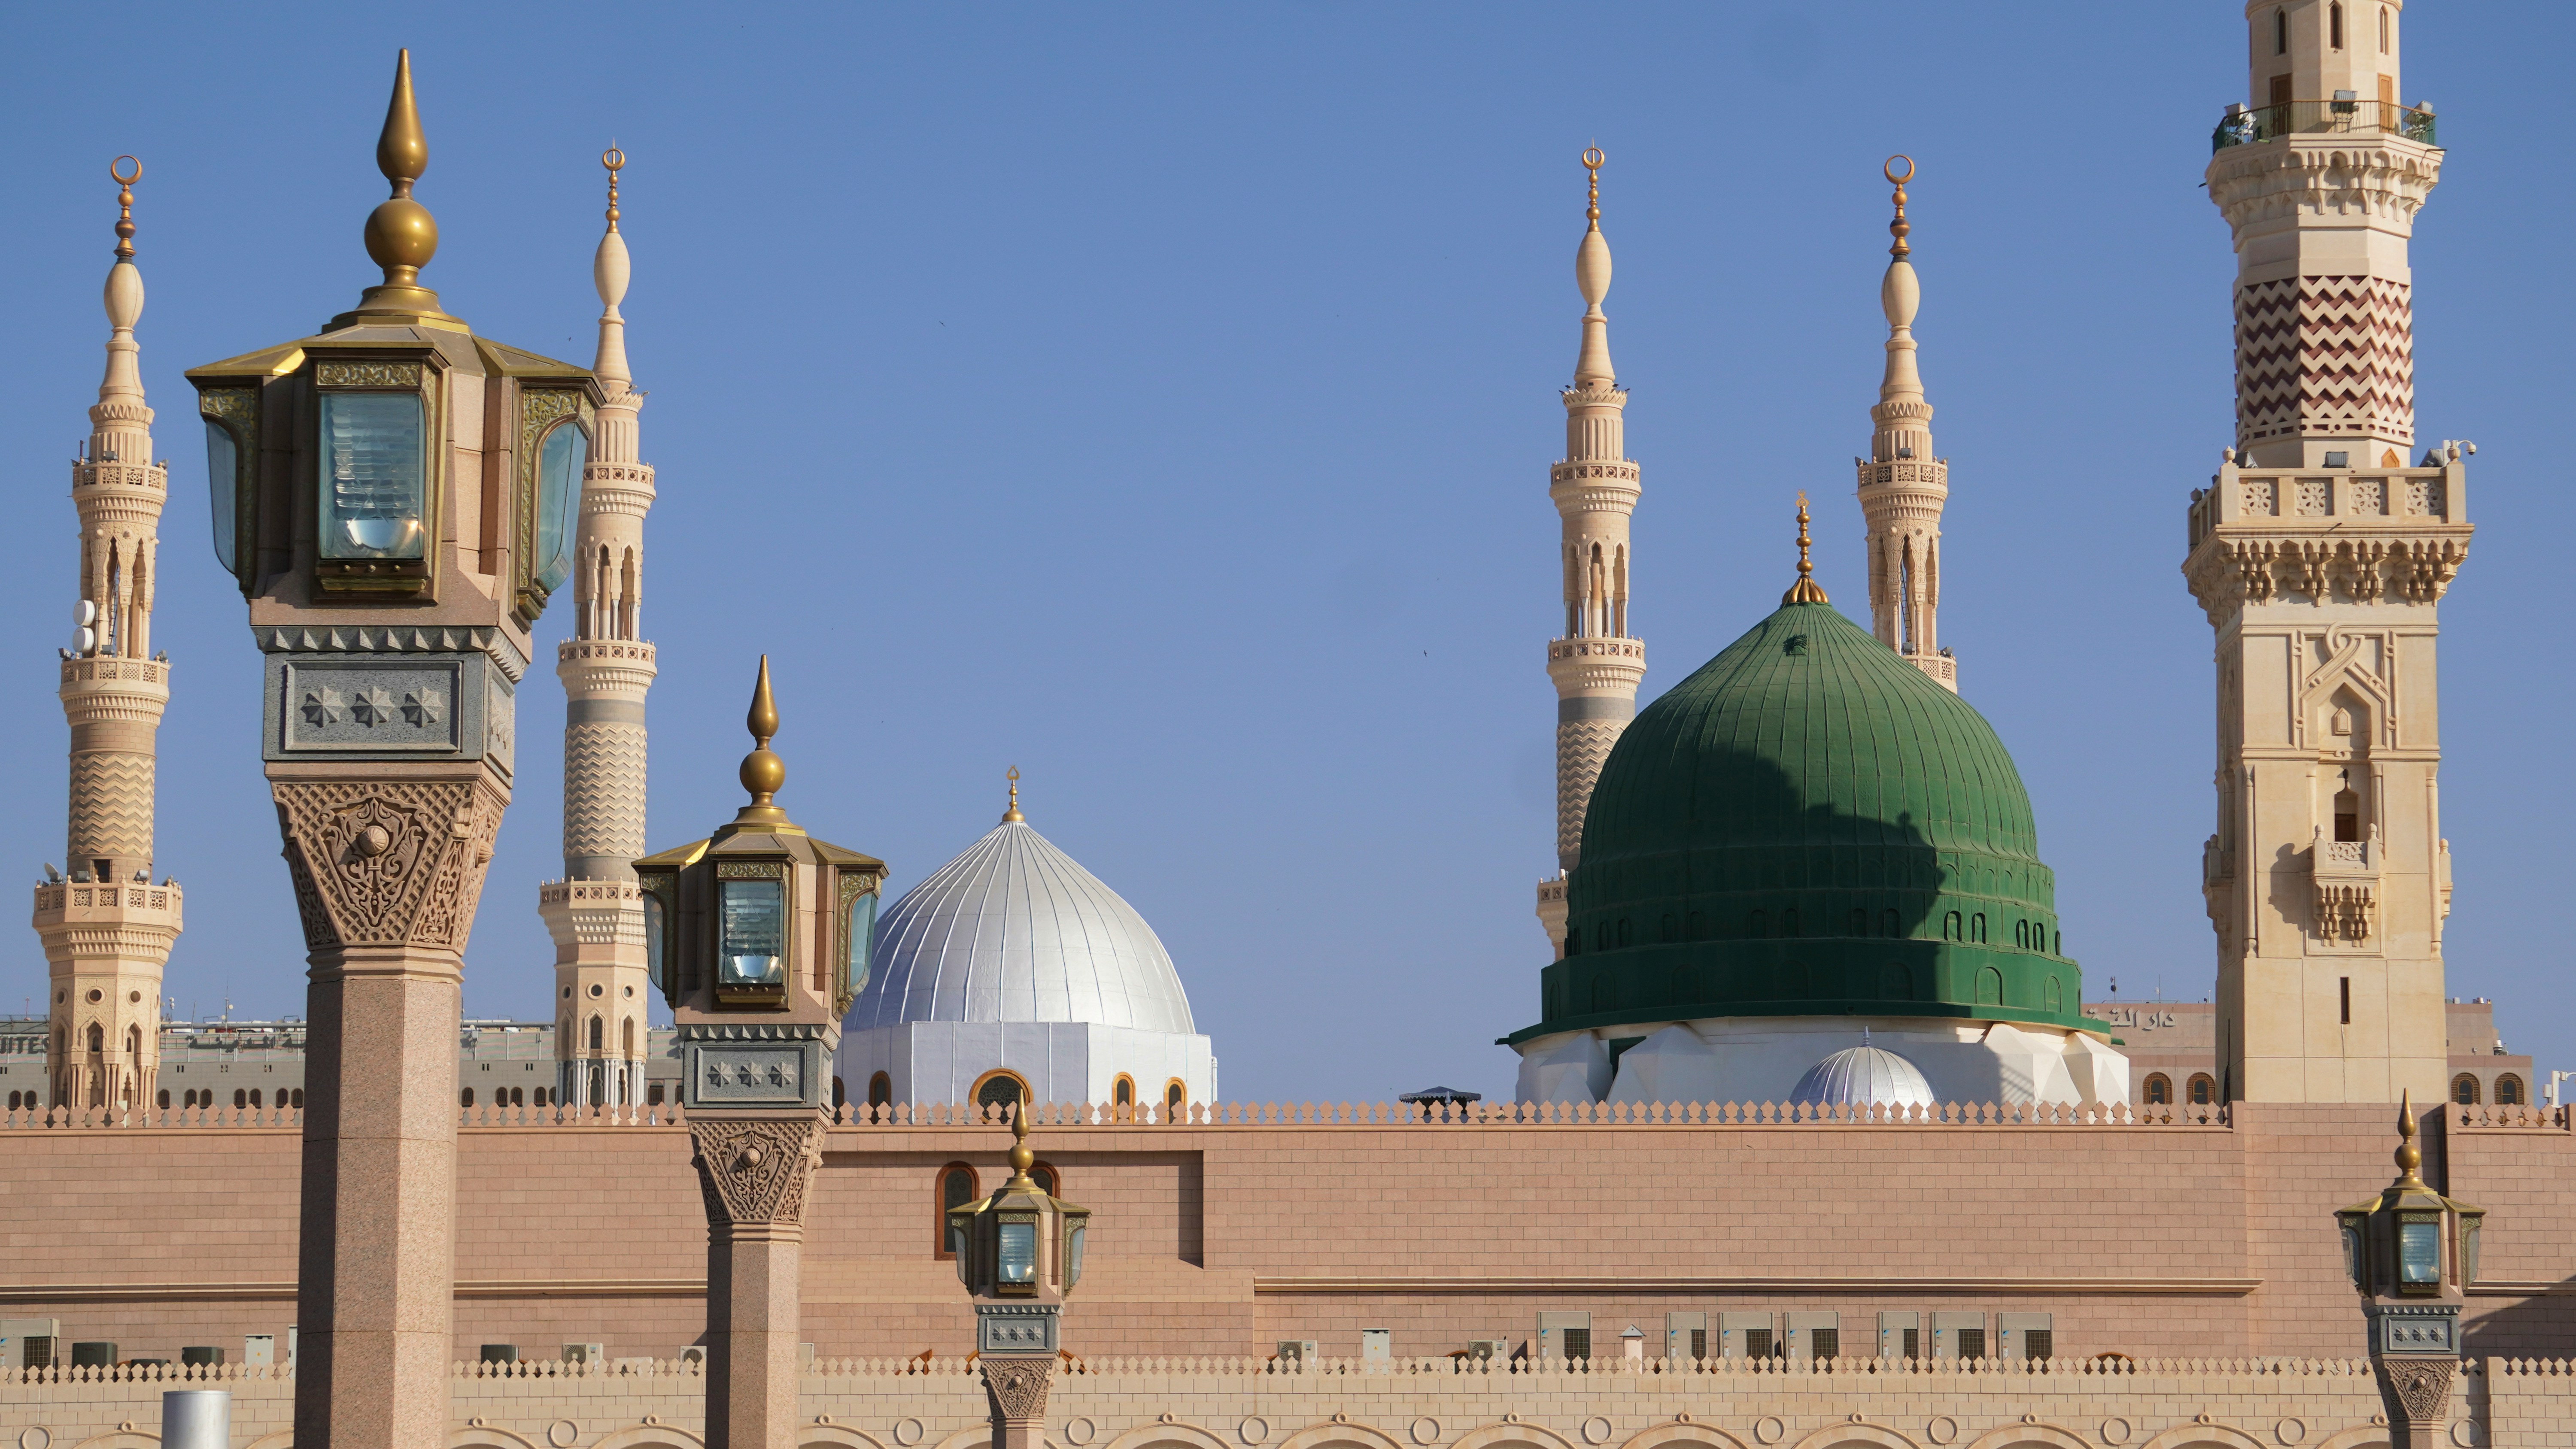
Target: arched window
542	1097
626	1039
2383	30
1176	1100
598	1034
2204	1091
2159	1090
2464	1090
465	1098
97	1038
1977	928
2021	934
14	1096
957	1187
840	1094
254	1097
241	1099
2347	814
2056	995
134	1043
1950	926
1122	1092
1049	1181
1990	987
2508	1091
1000	1089
2280	32
2334	26
880	1090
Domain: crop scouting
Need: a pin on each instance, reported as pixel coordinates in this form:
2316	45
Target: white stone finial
609	270
1592	277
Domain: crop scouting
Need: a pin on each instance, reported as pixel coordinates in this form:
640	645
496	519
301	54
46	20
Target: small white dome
1862	1076
1013	930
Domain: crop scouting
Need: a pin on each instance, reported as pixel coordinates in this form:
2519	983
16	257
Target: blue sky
1160	399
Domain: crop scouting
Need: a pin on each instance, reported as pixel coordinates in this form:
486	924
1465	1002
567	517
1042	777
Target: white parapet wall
1391	1404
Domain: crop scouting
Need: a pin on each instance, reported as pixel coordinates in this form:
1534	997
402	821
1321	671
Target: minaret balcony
2345	880
604	651
140	903
2346	116
112	669
1596	663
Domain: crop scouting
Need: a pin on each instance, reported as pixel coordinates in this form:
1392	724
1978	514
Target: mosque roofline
1821	1006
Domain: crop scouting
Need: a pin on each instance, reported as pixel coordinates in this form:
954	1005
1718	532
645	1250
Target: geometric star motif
323	706
373	707
424	706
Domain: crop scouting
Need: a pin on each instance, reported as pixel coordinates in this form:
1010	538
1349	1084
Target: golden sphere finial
401	234
116	171
763	773
1592	159
2410	1158
615	160
1013	813
1806	590
1899	228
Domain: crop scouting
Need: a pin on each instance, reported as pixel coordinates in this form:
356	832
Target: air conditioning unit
1298	1351
29	1342
1489	1350
694	1353
586	1353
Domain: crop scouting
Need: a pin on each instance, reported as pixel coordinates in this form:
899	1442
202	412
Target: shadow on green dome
1809	826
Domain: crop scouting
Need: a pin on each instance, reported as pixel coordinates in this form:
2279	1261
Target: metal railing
2245	125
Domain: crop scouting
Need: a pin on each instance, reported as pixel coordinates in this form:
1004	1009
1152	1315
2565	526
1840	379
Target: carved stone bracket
2417	1390
756	1171
1018	1386
387	864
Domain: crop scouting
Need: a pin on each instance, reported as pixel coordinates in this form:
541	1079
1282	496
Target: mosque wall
2153	1240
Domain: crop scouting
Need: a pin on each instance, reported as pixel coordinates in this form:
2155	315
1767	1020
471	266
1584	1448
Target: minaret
1597	665
108	929
2320	557
1902	485
602	979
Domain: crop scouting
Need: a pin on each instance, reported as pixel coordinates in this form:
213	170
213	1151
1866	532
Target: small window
1972	1343
1950	927
2204	1091
1990	987
2343	989
1122	1092
1043	1173
598	1034
1824	1344
653	1094
840	1094
2347	815
1757	1343
2464	1090
2021	934
2159	1090
880	1090
542	1097
298	1103
465	1098
2039	1343
2056	995
165	1099
241	1099
2383	30
1977	928
2280	32
2334	26
1699	1343
2508	1091
1176	1100
957	1187
1001	1089
1578	1342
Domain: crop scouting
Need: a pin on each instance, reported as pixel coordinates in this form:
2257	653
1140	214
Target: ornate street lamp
2411	1253
758	936
1019	1253
393	496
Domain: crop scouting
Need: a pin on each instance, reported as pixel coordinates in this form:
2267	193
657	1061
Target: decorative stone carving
756	1172
378	864
2418	1388
1018	1386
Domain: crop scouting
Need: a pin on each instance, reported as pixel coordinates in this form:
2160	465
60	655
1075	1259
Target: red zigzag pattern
2333	355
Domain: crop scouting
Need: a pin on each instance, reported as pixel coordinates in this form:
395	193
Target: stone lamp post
2411	1253
395	498
758	936
1019	1253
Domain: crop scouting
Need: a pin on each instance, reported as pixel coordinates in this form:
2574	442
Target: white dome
1014	931
1862	1076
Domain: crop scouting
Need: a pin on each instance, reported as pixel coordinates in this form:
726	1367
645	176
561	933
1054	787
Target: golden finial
1805	590
763	773
1023	1156
1592	159
615	161
1013	814
2410	1158
1899	227
401	234
116	170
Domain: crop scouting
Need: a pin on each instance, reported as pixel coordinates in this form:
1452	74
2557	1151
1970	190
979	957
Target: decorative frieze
387	863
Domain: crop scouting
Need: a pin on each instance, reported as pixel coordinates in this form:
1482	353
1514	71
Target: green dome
1809	826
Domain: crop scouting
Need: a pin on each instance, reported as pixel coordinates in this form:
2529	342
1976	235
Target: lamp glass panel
560	461
223	487
654	939
2419	1254
1017	1255
858	938
374	488
752	922
1073	1255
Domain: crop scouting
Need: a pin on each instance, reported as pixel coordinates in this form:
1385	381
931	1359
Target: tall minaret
1902	485
108	929
2320	557
603	979
1596	667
